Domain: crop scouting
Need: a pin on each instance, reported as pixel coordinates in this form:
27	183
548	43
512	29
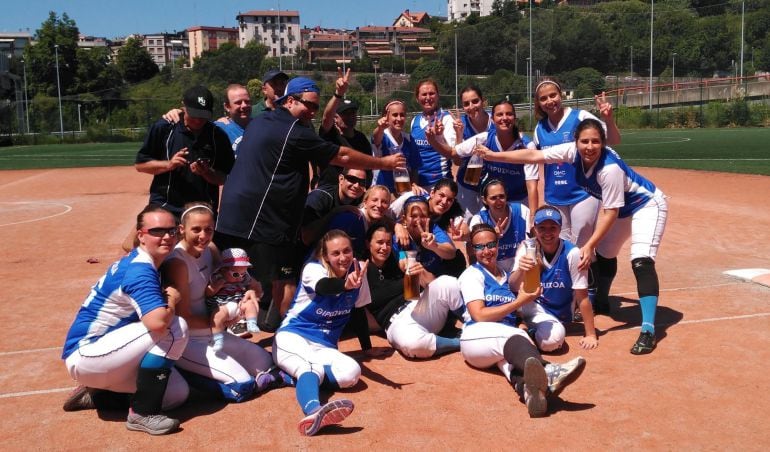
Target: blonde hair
321	250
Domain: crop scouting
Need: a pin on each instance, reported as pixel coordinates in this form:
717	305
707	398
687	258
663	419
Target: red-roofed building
410	19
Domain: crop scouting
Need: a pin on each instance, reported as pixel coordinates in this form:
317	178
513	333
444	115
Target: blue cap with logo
297	86
547	214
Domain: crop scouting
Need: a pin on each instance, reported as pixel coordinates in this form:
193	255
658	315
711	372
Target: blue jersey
430	260
469	131
389	147
637	190
321	318
557	284
561	188
513	235
495	293
511	174
429	163
130	289
234	132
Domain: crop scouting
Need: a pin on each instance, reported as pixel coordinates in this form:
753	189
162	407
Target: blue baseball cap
547	214
297	86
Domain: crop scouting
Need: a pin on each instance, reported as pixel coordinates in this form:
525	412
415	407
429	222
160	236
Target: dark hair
378	226
414	200
473	88
513	107
591	123
481	227
446	182
539	113
150	208
425	81
491	182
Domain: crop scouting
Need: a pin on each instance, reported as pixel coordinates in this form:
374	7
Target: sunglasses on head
354	180
161	232
488	245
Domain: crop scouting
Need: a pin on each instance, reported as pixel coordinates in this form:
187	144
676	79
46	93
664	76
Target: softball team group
146	327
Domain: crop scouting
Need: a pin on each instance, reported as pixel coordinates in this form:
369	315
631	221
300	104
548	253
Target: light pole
673	71
743	6
456	88
26	101
652	16
376	65
632	61
58	89
80	125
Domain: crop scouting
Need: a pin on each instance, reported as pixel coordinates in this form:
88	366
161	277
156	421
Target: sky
113	18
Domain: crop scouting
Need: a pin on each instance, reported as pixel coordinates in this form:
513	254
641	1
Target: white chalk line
678	289
695	160
34	350
41	391
67	208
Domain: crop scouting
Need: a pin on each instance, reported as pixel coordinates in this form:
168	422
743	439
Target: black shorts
269	262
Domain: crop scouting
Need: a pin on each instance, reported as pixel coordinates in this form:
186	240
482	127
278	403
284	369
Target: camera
199	153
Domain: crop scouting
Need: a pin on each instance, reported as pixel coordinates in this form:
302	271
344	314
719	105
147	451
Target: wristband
337	95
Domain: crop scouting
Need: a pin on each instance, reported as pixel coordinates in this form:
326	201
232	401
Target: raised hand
457	123
427	239
501	224
343	80
356	277
603	105
455	231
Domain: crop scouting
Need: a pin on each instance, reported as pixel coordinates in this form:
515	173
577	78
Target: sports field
724	150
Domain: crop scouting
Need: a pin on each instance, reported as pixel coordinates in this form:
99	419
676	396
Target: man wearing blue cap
264	196
564	284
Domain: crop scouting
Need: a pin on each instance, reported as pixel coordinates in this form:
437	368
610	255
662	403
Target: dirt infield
703	388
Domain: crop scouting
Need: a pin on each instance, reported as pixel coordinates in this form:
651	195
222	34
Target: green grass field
726	150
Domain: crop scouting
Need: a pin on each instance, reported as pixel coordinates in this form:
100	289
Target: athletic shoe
333	412
154	424
79	399
644	344
535	385
561	375
251	326
577	316
272	379
239	329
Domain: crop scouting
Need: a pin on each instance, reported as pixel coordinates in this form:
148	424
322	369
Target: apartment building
278	30
460	9
166	48
201	39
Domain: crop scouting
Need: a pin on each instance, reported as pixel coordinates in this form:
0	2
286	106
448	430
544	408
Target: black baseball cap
347	104
198	102
273	73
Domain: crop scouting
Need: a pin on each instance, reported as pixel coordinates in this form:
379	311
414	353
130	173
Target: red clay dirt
703	388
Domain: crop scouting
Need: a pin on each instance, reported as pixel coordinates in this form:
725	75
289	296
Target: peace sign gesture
501	224
427	239
603	105
356	277
457	123
341	85
455	229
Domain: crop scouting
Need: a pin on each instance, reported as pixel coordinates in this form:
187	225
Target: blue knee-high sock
151	361
307	392
446	345
330	381
649	304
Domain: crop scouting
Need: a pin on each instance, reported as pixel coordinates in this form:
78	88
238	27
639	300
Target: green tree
95	72
231	64
41	58
134	62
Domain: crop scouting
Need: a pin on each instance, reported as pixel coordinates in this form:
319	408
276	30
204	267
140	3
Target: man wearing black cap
273	86
264	196
339	126
190	159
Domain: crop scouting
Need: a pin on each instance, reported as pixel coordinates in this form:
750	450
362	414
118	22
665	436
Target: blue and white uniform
429	163
429	260
513	175
560	278
308	336
234	132
513	234
468	195
390	146
107	340
642	207
482	343
577	208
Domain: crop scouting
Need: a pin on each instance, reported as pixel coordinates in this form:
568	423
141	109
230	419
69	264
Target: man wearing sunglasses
264	196
321	202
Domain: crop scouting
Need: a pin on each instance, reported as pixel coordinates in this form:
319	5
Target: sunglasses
161	232
312	106
238	274
472	101
488	245
354	180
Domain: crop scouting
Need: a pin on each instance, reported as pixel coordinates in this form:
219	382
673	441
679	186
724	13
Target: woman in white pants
492	337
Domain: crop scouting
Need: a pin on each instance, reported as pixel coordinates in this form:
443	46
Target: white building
460	9
278	30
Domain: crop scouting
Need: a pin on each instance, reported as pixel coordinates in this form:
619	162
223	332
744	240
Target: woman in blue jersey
556	125
127	336
492	336
520	180
242	367
429	163
389	138
564	285
631	206
509	219
331	286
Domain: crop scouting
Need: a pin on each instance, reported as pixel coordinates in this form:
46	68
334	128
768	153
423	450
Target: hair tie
198	206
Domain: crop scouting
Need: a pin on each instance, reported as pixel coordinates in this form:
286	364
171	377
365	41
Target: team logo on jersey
565	137
556	282
558	172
